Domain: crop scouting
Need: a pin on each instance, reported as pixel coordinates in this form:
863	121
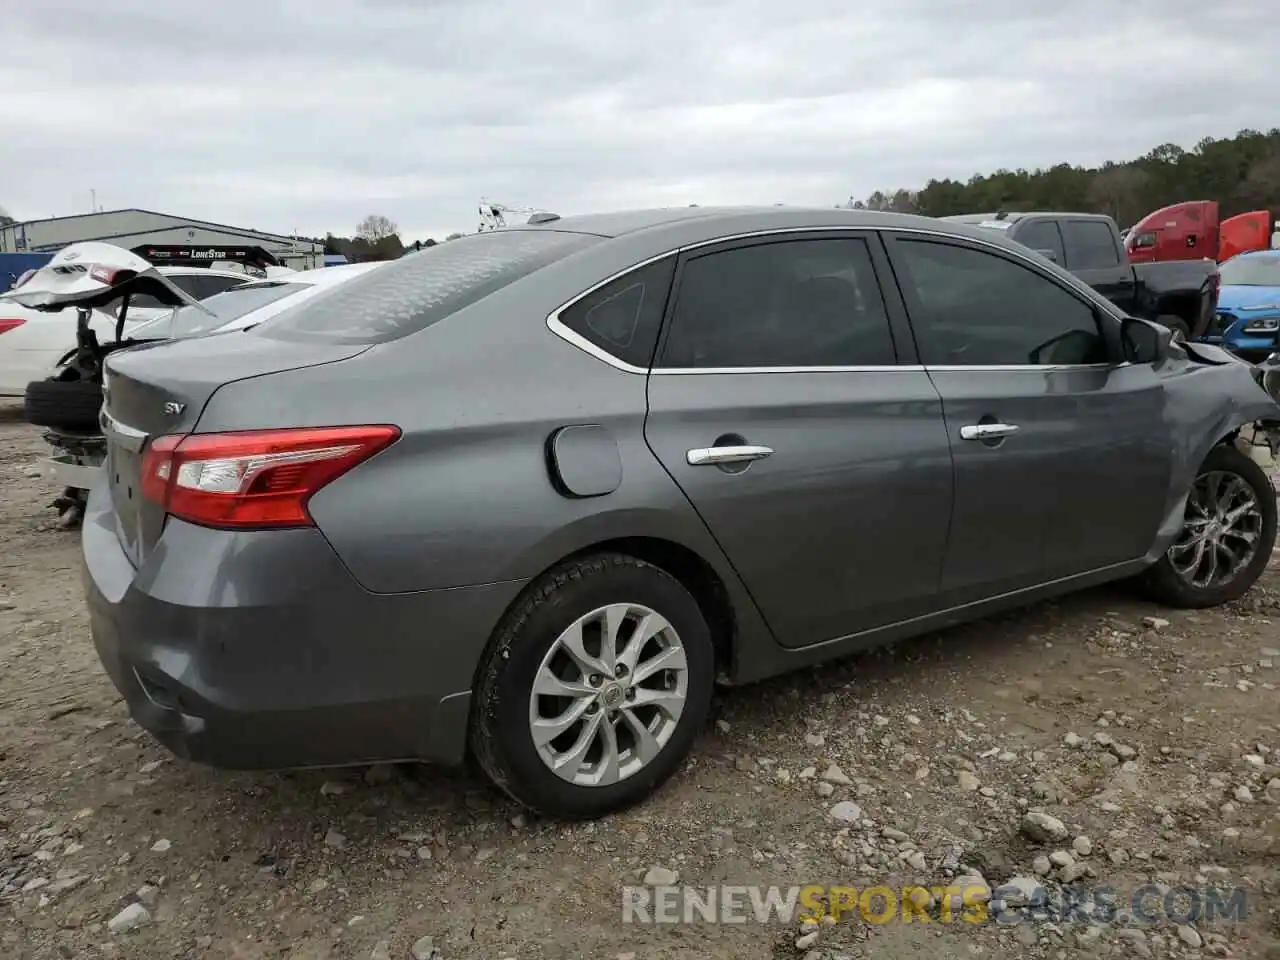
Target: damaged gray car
528	495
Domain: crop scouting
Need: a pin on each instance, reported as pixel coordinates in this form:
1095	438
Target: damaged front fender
1209	401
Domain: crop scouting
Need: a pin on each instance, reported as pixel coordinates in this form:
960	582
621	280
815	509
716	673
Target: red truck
1194	231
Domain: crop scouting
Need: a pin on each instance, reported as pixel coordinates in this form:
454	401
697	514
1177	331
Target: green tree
1242	173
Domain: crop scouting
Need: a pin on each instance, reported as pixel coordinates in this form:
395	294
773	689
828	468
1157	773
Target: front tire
1228	534
593	689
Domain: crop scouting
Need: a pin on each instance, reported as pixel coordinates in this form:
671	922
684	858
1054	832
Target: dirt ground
1153	747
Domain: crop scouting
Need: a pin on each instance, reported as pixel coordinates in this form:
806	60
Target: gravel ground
1130	750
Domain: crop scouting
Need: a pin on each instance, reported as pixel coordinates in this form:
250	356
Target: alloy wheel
608	695
1220	533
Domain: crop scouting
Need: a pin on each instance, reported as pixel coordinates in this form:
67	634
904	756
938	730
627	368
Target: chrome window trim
688	371
557	327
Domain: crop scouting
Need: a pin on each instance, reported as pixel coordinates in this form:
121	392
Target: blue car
1248	316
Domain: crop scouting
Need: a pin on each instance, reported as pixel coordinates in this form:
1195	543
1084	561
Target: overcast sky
289	115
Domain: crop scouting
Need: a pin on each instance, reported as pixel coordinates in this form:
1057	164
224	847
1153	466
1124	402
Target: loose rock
807	940
833	774
130	918
1043	828
846	812
660	877
1189	935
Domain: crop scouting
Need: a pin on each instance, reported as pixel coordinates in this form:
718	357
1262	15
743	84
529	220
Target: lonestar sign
177	254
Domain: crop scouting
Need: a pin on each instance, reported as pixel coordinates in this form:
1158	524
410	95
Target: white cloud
308	115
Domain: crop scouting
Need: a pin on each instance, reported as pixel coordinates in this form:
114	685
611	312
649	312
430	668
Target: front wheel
594	688
1229	530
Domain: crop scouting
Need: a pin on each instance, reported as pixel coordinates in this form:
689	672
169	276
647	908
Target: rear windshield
230	305
406	295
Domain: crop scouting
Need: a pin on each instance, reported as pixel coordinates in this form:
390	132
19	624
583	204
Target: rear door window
1043	235
409	294
792	303
1090	245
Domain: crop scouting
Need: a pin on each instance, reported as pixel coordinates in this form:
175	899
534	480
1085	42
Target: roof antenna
1001	215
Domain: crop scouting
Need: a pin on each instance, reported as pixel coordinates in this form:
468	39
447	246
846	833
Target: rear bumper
67	471
259	650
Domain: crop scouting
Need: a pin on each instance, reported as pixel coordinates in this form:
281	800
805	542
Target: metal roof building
163	238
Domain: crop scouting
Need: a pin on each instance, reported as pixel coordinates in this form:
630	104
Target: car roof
1014	216
729	221
1262	254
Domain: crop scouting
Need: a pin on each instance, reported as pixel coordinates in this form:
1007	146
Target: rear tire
67	404
1228	484
629	731
1181	331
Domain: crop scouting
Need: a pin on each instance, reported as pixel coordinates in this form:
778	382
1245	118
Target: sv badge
173	409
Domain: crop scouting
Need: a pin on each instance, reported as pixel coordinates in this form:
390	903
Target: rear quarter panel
466	495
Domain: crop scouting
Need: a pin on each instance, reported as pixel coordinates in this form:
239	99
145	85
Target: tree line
1242	173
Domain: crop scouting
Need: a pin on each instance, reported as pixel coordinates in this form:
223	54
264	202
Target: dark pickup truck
1181	294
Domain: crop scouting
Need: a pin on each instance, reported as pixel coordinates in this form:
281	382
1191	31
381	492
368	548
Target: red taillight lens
259	478
110	275
7	324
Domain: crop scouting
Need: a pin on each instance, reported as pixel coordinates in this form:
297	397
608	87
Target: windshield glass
409	294
1251	272
230	305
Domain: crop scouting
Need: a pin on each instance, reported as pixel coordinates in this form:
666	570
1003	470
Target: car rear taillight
7	324
258	478
110	275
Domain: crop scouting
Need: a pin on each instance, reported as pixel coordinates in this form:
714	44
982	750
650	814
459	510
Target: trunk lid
158	389
94	274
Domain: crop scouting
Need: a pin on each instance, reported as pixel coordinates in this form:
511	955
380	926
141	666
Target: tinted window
144	301
1042	235
794	303
408	294
230	305
1090	244
202	287
976	308
623	317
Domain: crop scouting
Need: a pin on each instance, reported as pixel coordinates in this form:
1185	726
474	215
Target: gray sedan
530	494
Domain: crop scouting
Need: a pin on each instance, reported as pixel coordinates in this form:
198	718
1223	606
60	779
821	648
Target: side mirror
1143	341
1048	255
